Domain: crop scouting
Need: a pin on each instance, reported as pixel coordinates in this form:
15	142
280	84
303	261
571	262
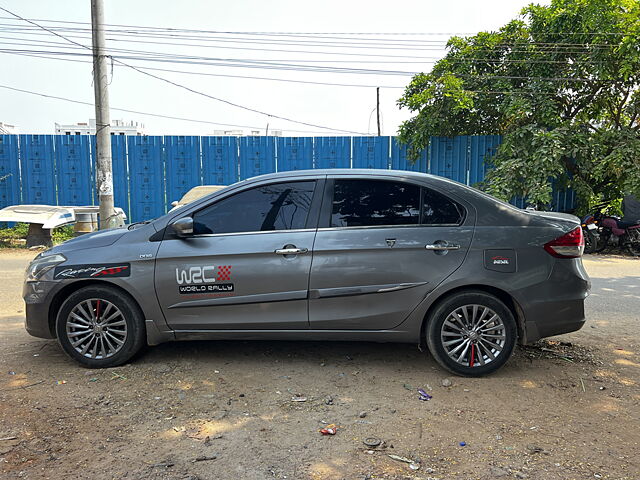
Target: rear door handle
442	246
291	251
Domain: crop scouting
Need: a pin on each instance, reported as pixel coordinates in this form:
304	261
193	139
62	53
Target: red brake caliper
473	354
97	310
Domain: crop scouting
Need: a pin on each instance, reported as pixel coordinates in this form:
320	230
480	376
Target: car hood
102	238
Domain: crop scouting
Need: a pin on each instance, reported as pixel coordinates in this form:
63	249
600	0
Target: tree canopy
560	83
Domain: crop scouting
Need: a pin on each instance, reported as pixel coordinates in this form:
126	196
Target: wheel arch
69	289
502	295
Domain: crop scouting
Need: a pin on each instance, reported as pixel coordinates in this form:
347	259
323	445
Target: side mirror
183	227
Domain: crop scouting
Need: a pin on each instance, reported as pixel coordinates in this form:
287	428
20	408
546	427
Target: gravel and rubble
564	408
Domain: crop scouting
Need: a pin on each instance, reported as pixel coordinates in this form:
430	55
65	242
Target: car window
439	210
358	203
282	206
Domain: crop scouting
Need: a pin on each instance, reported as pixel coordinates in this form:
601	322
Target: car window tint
282	206
359	203
438	209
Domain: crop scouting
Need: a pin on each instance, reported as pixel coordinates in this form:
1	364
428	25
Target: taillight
569	245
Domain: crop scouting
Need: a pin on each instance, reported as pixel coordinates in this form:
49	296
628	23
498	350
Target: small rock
533	449
497	472
520	475
162	368
328	400
393	410
446	382
362	414
498	437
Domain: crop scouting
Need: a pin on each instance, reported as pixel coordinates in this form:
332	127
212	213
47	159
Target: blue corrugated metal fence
149	172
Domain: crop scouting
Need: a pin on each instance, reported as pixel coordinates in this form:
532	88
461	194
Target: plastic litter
60	382
330	429
424	395
298	399
463	444
413	465
12	373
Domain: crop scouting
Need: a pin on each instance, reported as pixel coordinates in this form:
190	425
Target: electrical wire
227	102
208	74
149	114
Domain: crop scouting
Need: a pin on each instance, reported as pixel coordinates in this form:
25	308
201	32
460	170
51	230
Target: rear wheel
100	327
590	241
634	248
471	333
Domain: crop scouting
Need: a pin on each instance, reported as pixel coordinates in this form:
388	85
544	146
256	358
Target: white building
240	133
118	127
6	129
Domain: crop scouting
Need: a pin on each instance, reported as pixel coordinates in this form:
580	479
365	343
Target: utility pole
104	175
378	107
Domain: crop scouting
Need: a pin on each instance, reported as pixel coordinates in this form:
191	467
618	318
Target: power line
149	114
320	33
208	74
479	77
189	88
368	44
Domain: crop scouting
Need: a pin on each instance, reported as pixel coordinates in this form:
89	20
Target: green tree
560	83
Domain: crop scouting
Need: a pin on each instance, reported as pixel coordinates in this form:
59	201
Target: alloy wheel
96	328
473	335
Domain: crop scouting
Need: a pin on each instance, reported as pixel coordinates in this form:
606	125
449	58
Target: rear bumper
555	318
556	306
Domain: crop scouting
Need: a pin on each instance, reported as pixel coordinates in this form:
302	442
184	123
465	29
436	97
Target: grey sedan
372	255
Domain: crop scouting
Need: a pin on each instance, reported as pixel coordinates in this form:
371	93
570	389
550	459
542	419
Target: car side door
382	245
247	264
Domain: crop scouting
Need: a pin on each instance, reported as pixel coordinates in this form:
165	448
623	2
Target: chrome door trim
360	290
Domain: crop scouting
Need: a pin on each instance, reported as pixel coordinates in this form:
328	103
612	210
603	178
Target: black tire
603	241
590	241
127	328
450	306
634	248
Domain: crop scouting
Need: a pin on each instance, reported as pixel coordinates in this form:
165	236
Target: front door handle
442	246
291	251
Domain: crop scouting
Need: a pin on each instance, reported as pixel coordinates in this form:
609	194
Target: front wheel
603	240
100	327
471	333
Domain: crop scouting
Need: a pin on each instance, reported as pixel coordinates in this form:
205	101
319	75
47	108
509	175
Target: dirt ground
568	408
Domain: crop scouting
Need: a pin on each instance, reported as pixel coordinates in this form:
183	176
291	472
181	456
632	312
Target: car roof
373	172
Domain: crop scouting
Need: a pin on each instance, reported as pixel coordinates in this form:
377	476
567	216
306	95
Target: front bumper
37	297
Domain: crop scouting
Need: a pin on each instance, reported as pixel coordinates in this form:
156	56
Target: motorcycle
614	232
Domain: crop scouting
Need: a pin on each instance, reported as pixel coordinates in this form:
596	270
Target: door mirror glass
183	227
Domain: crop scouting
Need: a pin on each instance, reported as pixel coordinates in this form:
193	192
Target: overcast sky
338	107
